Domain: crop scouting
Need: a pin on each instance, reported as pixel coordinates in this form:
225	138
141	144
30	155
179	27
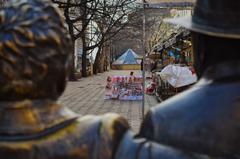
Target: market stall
173	74
124	88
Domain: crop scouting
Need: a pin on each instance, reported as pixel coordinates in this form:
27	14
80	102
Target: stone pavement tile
86	96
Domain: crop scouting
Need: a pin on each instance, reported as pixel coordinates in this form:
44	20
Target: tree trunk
106	63
84	57
72	67
84	53
102	59
71	32
107	57
97	62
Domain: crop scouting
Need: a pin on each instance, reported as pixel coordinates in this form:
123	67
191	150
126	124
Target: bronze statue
35	58
205	119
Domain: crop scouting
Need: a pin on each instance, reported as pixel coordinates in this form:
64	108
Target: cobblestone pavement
86	96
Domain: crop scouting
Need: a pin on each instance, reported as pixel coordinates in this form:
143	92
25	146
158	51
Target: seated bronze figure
205	119
34	60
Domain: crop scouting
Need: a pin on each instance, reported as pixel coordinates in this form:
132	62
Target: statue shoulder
113	127
110	124
106	131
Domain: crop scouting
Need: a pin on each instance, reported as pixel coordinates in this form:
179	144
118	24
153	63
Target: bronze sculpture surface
34	63
205	119
34	60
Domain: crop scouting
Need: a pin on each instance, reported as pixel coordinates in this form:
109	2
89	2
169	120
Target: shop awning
171	41
170	3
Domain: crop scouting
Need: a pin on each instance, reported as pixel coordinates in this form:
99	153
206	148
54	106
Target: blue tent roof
128	58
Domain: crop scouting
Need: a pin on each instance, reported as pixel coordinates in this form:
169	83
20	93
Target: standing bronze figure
34	64
205	119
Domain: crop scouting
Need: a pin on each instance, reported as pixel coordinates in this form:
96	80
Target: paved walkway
86	96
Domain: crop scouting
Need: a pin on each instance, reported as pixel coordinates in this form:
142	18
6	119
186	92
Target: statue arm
111	131
117	137
140	148
147	128
117	141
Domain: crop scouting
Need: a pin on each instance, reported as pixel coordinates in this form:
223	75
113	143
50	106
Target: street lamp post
144	56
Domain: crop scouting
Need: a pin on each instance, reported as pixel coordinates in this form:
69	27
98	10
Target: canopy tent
128	61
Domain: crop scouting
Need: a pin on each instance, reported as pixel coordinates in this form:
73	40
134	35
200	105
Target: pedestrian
109	83
154	66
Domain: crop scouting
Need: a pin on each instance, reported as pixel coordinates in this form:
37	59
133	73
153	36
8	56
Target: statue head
35	51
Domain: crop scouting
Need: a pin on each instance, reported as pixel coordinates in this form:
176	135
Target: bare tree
114	17
159	33
74	13
133	33
109	17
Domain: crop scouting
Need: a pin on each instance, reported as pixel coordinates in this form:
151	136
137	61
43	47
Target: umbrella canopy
128	58
178	76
